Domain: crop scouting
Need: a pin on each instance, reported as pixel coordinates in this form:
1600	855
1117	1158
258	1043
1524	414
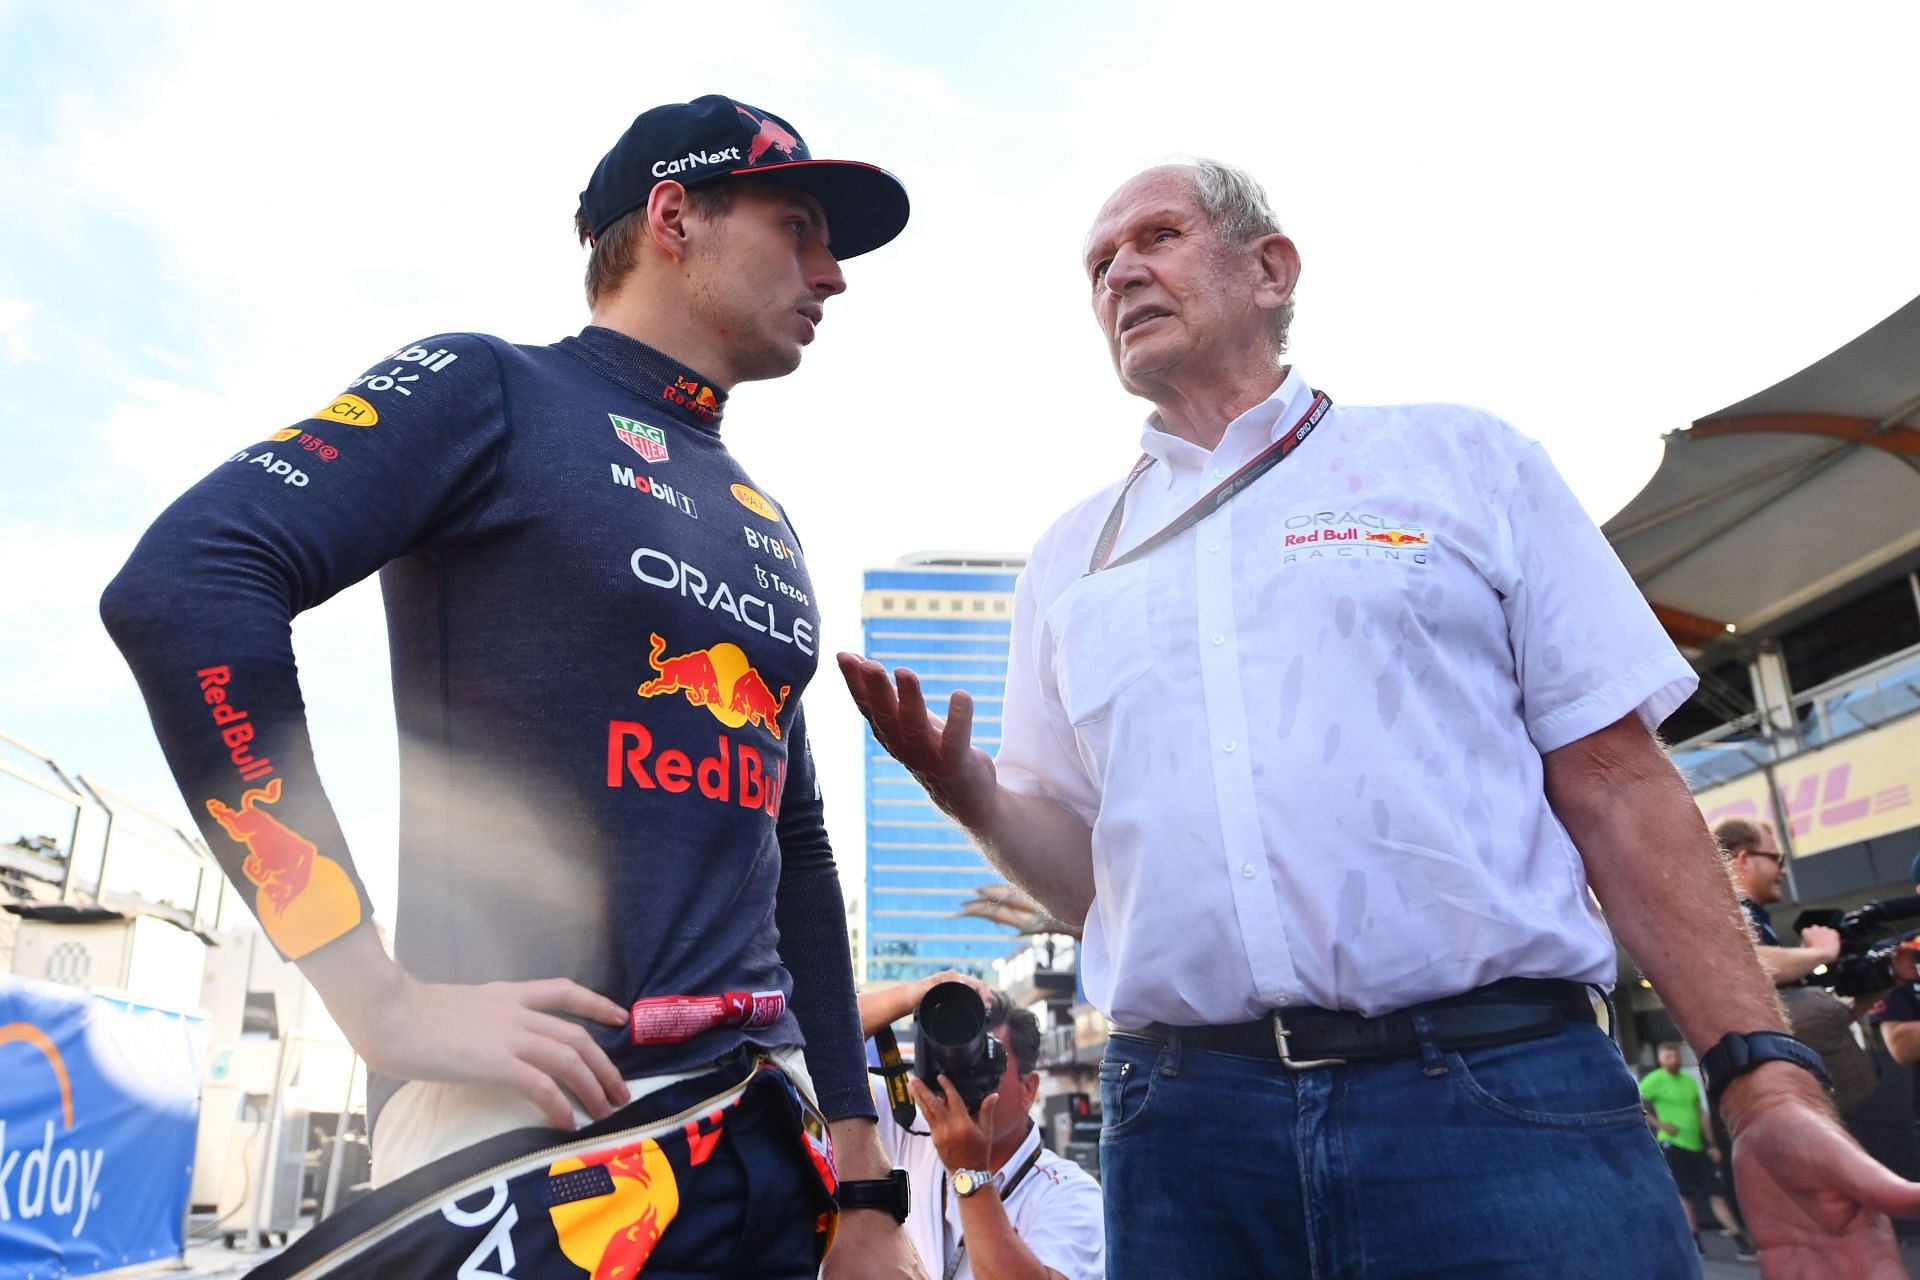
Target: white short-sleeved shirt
1056	1208
1307	733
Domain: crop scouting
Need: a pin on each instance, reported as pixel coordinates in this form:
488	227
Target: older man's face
1171	297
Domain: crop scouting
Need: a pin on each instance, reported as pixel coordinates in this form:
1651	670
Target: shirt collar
680	393
1019	1157
1265	422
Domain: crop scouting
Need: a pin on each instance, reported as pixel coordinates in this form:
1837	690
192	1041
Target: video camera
1868	962
950	1038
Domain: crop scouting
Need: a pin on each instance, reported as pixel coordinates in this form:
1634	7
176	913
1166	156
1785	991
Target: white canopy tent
1774	503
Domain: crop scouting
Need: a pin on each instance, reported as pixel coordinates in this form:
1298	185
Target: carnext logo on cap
693	160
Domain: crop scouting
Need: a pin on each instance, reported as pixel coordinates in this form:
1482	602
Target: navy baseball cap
716	137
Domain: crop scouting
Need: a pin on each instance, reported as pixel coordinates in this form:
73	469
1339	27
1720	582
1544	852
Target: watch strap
889	1193
1742	1051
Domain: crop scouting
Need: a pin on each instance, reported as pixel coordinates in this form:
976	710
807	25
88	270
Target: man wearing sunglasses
1760	876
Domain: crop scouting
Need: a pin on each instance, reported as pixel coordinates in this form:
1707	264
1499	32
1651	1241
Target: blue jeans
1524	1160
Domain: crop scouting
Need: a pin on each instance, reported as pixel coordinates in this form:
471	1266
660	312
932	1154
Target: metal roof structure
1775	503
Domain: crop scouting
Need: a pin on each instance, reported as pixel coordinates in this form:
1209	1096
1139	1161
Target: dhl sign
1835	795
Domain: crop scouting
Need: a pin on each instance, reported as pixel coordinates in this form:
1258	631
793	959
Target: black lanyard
960	1250
1221	494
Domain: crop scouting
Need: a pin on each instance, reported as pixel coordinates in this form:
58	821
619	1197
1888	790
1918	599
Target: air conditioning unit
150	959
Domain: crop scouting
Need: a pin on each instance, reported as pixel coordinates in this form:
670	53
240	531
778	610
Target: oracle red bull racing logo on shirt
1353	535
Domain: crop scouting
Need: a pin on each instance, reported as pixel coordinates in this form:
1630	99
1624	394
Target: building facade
949	617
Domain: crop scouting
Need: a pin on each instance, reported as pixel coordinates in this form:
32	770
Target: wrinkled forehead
1157	193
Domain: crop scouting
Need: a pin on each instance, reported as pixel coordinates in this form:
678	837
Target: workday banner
99	1100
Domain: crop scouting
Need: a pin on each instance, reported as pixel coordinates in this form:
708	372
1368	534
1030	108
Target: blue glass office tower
948	616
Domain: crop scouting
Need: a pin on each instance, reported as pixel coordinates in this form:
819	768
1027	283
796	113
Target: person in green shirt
1674	1105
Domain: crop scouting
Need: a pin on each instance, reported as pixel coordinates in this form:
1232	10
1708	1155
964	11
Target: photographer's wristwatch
967	1182
889	1193
1740	1052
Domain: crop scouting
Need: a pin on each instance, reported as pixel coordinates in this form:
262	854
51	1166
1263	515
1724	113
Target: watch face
963	1182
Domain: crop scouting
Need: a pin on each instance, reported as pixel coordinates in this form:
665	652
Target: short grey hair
1236	205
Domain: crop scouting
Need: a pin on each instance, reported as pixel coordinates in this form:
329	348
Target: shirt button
1246	870
1219	473
1213	546
1228	745
1218	638
1283	1000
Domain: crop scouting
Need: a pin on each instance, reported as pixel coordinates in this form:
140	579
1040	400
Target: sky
1600	222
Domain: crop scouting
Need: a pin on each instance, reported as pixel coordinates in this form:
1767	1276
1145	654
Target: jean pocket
1126	1086
1575	1080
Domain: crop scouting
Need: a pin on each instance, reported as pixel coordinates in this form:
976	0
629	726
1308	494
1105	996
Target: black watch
889	1193
1740	1052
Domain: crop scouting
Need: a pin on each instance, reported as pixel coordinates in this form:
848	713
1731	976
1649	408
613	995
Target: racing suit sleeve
203	610
812	918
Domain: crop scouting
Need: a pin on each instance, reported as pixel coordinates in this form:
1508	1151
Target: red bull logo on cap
719	678
771	137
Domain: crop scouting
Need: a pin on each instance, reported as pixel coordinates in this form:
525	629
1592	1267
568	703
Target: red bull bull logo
1399	538
771	137
722	680
305	899
609	1208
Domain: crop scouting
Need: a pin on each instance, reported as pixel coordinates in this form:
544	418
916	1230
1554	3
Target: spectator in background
1020	1212
1899	1018
1760	876
1674	1103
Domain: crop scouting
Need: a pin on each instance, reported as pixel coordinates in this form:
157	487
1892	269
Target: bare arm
1790	964
1035	843
1902	1040
884	1006
1817	1202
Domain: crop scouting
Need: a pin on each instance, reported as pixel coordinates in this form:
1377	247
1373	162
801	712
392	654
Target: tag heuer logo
647	441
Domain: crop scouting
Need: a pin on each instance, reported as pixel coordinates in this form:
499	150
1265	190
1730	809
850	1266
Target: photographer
1760	877
987	1199
1899	1018
1803	975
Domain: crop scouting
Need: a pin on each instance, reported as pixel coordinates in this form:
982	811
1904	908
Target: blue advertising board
99	1101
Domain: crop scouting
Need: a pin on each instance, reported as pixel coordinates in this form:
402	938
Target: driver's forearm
356	979
1788	964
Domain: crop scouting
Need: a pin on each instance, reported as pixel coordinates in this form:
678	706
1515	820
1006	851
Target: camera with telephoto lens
950	1039
1868	962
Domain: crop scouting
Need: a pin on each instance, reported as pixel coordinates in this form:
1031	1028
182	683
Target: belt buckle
1280	1037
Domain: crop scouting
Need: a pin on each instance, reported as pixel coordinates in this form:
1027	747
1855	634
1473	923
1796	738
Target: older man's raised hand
937	751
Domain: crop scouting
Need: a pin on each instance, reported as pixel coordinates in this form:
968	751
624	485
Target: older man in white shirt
1324	720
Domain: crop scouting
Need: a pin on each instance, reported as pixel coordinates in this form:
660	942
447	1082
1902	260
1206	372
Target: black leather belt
1503	1012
